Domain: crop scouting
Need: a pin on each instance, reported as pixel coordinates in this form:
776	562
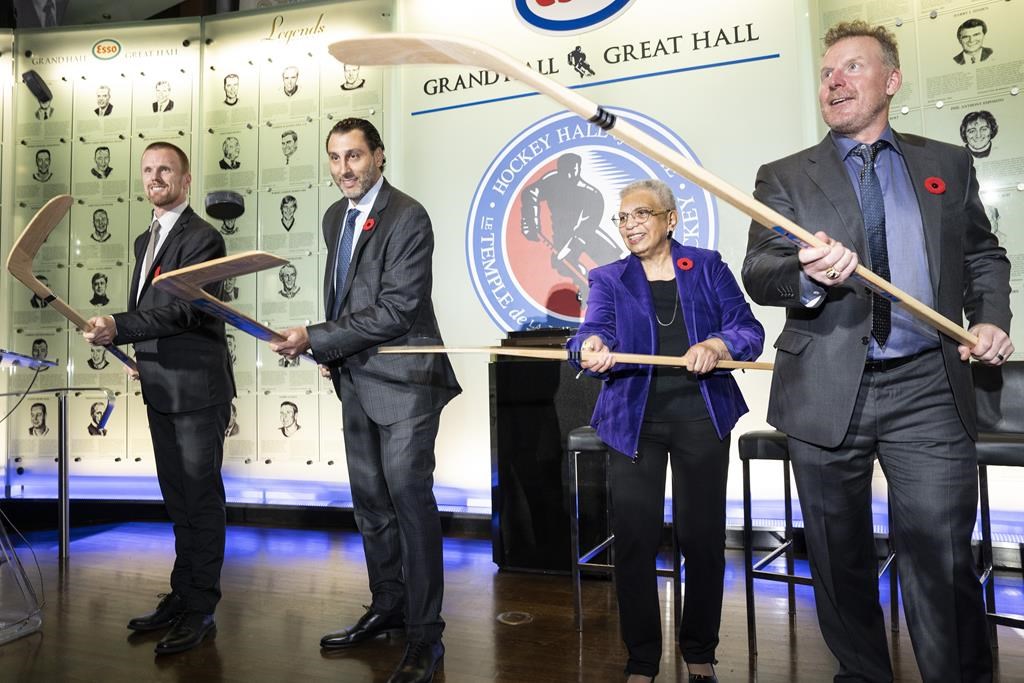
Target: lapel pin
935	185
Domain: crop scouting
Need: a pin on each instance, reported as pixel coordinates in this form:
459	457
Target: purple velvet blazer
620	310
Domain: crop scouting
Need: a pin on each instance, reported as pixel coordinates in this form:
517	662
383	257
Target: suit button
864	341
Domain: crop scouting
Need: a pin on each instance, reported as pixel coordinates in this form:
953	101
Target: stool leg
609	519
894	588
986	554
677	576
748	561
574	540
790	564
609	509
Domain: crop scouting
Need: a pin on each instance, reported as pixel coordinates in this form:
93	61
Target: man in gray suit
377	292
855	379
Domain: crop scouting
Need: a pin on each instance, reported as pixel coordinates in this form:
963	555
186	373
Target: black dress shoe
370	625
188	631
420	662
169	609
703	678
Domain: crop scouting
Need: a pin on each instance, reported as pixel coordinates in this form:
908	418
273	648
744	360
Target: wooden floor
284	588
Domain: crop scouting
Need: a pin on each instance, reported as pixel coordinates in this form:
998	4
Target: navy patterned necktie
872	205
344	259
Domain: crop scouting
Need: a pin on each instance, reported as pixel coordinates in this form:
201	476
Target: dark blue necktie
344	260
872	205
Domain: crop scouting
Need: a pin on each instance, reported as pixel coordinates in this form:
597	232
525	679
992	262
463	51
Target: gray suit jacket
821	351
386	302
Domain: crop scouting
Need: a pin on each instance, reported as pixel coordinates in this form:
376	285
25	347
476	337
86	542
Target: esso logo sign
108	48
564	17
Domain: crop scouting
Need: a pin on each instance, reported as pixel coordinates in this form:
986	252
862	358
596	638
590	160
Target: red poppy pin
156	273
684	263
935	185
368	225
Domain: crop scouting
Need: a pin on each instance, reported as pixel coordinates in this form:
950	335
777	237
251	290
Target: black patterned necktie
344	259
872	205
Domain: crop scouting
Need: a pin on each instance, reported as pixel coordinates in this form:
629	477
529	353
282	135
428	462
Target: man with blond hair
857	378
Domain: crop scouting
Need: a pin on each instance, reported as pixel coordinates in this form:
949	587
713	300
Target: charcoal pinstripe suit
391	404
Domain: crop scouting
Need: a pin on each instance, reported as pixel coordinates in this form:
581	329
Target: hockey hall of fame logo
541	216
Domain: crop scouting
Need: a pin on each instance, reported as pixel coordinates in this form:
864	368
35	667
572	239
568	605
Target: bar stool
1000	399
584	440
771	445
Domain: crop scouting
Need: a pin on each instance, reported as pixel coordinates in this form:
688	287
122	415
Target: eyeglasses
639	216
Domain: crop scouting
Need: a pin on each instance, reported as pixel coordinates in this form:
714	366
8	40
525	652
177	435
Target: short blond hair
854	29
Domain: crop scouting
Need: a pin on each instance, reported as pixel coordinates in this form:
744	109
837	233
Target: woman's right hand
599	357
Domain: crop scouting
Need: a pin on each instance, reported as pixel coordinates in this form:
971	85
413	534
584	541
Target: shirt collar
846	145
365	203
171	216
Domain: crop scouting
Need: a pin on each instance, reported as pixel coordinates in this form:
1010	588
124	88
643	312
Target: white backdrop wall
734	116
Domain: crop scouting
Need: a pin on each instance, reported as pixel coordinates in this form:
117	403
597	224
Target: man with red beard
857	378
187	385
377	293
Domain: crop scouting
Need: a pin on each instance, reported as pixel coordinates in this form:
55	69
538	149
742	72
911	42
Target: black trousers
391	472
189	450
700	468
906	417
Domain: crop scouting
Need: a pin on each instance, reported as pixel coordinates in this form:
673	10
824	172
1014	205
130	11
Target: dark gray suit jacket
181	352
386	302
821	351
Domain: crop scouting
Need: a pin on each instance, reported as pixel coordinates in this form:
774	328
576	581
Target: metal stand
20	611
63	471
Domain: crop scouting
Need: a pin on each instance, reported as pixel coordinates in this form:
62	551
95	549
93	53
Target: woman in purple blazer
669	299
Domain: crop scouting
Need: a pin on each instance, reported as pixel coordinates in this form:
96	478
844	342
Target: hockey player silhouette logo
576	209
541	216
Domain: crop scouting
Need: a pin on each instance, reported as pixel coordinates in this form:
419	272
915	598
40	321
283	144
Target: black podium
534	406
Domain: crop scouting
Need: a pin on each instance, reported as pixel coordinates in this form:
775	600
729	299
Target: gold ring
832	273
585	347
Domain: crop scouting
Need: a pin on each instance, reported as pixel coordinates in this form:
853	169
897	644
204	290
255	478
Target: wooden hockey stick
397	48
562	354
187	283
23	253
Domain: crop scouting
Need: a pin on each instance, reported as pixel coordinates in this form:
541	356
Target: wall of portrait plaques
108	103
250	98
963	72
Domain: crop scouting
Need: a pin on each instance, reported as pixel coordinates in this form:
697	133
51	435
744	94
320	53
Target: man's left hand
993	348
103	331
296	342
